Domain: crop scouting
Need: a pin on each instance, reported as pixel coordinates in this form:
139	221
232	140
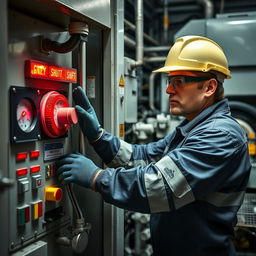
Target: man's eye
178	82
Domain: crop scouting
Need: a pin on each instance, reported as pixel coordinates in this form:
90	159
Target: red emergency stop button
53	194
56	114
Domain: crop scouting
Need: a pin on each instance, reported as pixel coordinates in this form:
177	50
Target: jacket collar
221	106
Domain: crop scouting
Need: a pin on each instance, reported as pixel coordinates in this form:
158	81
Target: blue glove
88	120
76	168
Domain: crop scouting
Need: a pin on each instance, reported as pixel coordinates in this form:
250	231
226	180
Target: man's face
186	97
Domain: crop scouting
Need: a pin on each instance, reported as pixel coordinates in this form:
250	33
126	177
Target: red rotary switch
56	114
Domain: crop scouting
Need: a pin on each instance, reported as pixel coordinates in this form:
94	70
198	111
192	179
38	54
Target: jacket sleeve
213	167
118	153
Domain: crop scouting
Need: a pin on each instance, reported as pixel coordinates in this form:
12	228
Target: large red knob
56	114
67	115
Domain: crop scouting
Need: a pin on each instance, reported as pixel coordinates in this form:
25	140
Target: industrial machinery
48	48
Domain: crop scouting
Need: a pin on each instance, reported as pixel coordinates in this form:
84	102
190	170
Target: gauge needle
22	115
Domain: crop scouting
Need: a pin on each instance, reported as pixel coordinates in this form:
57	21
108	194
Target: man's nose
170	89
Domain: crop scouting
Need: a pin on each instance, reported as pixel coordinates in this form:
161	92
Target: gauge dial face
25	115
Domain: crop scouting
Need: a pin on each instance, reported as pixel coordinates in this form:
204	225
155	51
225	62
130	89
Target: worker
193	181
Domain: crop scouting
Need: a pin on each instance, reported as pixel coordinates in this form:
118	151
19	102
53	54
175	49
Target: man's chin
175	112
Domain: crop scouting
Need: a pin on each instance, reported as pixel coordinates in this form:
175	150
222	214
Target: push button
23	215
37	210
53	194
37	181
23	185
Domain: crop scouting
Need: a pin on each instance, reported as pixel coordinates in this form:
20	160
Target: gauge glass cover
25	115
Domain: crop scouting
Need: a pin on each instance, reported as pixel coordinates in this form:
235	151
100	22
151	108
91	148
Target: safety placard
53	150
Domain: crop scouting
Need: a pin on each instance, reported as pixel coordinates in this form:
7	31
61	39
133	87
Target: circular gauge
25	115
56	114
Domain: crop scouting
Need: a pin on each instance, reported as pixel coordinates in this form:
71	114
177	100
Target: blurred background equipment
109	48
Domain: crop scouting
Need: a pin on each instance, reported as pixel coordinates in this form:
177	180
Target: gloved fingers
81	99
65	160
82	113
68	179
63	168
64	175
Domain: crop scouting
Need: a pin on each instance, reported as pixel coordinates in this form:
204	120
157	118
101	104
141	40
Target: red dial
56	114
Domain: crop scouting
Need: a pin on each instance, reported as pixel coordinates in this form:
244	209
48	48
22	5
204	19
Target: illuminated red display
41	70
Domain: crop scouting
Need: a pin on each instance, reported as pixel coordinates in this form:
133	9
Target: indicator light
34	154
21	156
22	171
34	169
42	70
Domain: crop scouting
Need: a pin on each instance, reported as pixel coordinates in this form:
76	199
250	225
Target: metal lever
5	182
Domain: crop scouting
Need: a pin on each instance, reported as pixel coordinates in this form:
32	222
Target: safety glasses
179	81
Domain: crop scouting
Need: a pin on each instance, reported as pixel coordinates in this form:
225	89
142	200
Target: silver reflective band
174	177
225	199
123	155
156	193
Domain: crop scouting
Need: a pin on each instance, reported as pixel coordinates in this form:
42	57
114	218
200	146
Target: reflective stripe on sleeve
156	192
225	199
182	192
123	157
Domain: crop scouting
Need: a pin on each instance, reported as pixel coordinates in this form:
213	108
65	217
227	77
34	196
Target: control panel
40	119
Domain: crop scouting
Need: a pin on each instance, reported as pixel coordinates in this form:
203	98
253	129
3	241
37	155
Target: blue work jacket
192	182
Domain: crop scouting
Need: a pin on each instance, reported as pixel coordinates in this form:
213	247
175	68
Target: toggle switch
67	115
53	194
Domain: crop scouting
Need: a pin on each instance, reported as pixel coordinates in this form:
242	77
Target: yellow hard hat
196	53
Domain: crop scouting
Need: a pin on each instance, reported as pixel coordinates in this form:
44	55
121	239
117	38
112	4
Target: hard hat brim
183	68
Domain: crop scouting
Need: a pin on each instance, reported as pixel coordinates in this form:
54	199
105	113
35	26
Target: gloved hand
88	120
78	169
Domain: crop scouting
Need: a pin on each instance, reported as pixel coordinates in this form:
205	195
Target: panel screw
14	90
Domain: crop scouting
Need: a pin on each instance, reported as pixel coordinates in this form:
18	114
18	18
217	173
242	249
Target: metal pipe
157	49
139	35
129	42
152	91
208	8
166	21
155	59
146	36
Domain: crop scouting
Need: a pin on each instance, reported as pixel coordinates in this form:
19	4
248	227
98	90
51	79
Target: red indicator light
42	70
27	214
34	154
35	168
22	171
40	209
21	156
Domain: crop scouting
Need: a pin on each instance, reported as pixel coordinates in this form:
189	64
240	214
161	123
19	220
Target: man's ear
210	87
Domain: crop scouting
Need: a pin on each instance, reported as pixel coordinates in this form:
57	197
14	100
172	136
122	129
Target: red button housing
34	169
21	171
34	154
40	209
21	156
